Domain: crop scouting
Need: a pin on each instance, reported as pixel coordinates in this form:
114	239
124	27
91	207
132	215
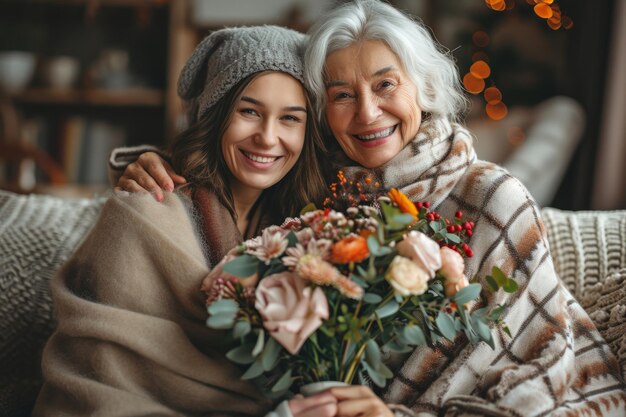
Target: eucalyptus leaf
414	334
403	219
221	321
374	375
499	276
481	328
359	281
255	370
397	346
453	238
371	298
510	286
283	383
385	371
241	329
445	324
388	210
260	343
372	244
269	357
242	266
467	294
241	354
492	283
372	353
435	226
224	305
388	309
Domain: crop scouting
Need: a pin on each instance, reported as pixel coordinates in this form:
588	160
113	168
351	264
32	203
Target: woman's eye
386	84
341	96
291	118
248	111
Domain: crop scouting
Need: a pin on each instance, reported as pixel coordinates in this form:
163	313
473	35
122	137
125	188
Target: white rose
406	277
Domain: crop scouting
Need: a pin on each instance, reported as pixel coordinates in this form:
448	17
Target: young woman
131	338
389	101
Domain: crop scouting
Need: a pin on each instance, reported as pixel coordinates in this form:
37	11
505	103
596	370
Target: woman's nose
368	109
267	135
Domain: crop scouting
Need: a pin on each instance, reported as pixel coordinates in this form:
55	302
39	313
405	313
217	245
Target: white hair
428	64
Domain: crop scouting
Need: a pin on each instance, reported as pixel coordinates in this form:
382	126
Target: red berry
437	216
458	214
427	204
467	226
458	228
447	222
469	253
469	233
465	247
419	205
450	229
430	216
471	224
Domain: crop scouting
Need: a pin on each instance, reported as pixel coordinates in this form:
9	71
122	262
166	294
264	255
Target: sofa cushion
586	246
37	234
606	304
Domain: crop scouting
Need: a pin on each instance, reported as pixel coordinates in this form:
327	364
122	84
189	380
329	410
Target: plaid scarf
556	363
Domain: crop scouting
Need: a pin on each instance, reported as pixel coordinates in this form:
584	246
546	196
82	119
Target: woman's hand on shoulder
149	173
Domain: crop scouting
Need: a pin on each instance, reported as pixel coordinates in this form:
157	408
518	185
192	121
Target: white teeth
261	159
377	135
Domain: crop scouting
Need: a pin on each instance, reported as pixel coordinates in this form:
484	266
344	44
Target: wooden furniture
142	44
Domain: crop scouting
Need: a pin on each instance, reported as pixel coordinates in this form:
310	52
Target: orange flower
402	201
350	249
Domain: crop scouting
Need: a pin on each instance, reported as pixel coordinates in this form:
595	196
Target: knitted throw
556	363
131	337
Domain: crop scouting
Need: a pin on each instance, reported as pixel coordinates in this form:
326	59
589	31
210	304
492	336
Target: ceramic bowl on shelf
16	69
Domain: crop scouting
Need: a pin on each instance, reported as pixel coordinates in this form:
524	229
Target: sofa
38	233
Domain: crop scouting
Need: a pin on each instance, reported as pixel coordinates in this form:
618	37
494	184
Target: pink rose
422	250
291	310
452	270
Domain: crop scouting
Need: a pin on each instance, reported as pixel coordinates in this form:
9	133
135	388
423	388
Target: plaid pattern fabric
556	363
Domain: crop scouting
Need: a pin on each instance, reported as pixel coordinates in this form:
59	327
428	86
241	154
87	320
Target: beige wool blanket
556	363
131	339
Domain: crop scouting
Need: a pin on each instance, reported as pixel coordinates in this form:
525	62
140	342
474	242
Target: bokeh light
480	69
472	84
480	56
543	10
492	95
480	38
497	111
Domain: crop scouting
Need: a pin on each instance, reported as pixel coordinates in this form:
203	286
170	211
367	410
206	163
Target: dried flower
273	244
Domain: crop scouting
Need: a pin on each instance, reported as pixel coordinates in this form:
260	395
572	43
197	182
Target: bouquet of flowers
322	296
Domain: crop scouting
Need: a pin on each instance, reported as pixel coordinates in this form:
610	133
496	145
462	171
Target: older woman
390	98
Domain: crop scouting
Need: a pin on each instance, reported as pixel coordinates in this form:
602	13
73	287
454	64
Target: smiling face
265	135
371	102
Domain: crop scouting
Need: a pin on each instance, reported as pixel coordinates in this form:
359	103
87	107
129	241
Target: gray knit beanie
227	56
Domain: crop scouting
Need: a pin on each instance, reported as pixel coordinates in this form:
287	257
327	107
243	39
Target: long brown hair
197	155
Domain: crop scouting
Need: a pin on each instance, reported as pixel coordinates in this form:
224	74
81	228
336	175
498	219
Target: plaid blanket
556	363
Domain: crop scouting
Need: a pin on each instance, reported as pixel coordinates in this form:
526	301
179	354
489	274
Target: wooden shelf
131	97
98	3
